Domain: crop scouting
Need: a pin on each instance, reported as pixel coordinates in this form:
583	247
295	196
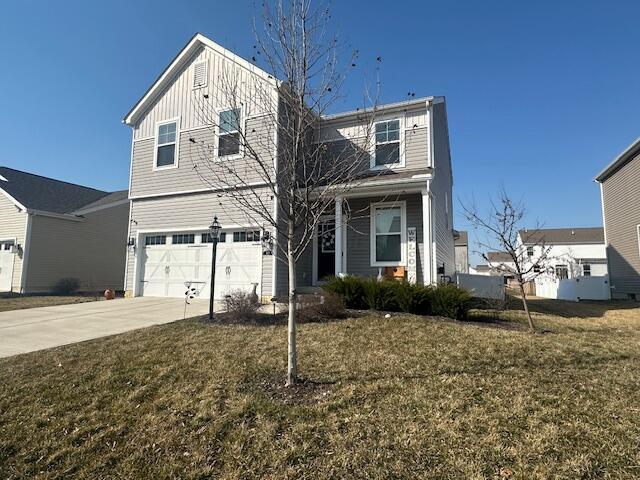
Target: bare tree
501	226
282	168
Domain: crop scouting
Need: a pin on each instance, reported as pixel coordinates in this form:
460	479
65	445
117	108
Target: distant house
620	194
51	230
461	243
481	269
573	252
501	263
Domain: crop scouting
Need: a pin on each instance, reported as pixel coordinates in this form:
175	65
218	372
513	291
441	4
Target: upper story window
586	270
388	234
387	144
529	251
200	74
166	145
229	133
562	272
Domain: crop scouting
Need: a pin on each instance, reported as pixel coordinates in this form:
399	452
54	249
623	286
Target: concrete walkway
23	331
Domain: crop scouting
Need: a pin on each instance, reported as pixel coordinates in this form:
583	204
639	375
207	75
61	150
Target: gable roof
35	192
179	61
119	197
497	257
552	236
623	158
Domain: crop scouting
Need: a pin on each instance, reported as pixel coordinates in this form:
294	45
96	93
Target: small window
200	74
229	133
6	246
562	272
155	240
536	269
530	251
387	143
586	270
207	238
166	145
248	236
183	239
387	235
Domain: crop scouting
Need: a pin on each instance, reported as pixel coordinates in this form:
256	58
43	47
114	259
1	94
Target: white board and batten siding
181	99
12	229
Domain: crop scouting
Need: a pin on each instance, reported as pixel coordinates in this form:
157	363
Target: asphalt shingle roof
46	194
552	236
463	239
497	257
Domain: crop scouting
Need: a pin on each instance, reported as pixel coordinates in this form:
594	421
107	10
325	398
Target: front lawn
404	397
19	302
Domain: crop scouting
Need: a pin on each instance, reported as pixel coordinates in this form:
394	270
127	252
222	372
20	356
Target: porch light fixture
214	228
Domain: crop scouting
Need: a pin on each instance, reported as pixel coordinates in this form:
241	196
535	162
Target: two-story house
620	196
404	215
570	252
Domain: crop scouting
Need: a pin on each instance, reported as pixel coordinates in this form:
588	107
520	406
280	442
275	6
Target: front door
326	249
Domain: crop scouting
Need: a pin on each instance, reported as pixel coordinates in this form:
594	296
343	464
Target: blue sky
541	95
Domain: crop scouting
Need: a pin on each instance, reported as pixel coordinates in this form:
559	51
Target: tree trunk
292	367
526	307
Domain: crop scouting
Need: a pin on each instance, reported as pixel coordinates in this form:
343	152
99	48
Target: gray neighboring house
461	242
51	229
620	196
171	205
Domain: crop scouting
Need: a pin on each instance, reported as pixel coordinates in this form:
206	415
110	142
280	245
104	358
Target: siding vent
200	74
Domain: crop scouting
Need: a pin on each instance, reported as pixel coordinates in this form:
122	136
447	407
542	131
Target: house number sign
412	259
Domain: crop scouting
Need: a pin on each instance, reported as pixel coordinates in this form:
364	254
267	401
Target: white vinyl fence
574	289
482	286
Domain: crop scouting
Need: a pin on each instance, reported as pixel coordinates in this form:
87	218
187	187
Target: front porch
371	232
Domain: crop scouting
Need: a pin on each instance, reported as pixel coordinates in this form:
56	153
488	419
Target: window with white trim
155	240
387	145
388	234
183	239
200	74
586	270
562	272
229	133
166	144
529	251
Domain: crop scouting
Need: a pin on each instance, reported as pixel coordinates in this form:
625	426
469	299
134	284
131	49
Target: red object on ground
109	294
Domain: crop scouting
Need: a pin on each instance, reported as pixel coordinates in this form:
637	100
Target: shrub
413	298
350	289
450	301
243	305
389	295
381	295
66	286
332	307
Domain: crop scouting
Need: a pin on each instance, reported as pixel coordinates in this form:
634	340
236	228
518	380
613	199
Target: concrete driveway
23	331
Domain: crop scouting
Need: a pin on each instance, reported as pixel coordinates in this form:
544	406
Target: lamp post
215	232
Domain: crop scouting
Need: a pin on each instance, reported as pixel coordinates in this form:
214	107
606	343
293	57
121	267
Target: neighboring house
572	252
620	195
171	205
461	242
481	269
501	263
51	230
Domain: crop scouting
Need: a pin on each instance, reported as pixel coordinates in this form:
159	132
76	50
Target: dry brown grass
21	302
405	397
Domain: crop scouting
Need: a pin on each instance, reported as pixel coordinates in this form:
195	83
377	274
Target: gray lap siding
186	212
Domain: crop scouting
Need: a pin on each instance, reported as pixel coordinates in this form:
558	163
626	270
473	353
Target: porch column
427	240
338	236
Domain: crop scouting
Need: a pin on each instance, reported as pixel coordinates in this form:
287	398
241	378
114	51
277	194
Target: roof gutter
620	160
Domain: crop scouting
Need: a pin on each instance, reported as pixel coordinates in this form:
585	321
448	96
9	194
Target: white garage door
183	258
